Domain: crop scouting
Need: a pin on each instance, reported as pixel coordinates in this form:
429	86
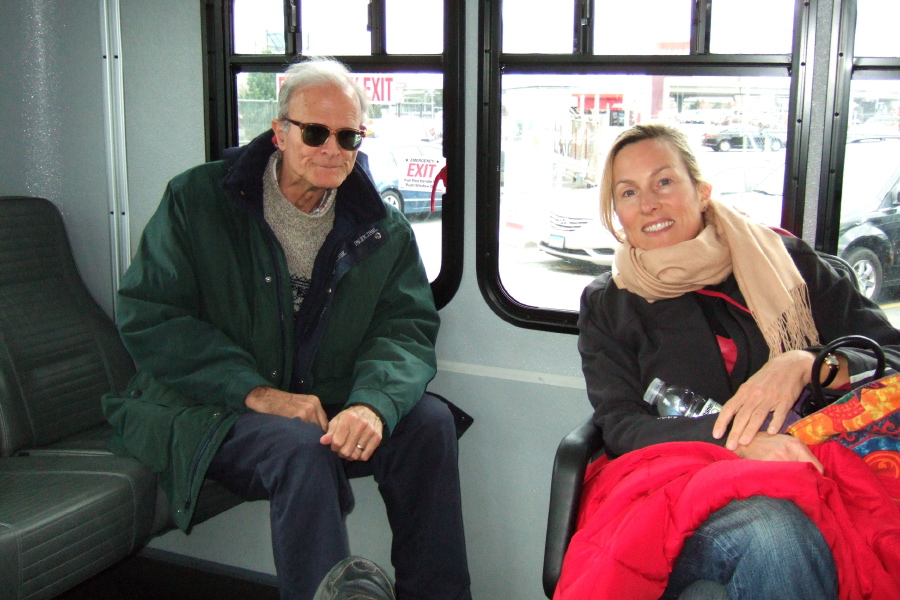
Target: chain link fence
255	117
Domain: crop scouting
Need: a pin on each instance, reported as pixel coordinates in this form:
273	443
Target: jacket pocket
145	418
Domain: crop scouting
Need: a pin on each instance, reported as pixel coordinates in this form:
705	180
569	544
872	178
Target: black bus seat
573	455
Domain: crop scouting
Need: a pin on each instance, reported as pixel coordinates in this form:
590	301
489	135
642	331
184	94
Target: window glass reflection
257	103
259	26
414	26
766	28
529	31
870	211
876	28
556	131
404	147
324	33
668	31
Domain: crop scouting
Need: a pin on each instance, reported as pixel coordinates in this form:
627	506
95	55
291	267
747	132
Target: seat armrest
573	455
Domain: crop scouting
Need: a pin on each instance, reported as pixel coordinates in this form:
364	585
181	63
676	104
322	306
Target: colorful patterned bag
865	420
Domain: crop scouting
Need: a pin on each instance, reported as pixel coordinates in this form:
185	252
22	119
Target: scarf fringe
795	329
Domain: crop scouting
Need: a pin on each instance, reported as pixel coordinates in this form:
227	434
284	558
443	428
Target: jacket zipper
312	325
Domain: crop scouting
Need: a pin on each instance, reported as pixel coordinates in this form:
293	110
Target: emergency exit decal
379	89
418	173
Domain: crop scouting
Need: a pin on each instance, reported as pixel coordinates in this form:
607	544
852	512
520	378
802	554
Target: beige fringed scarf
775	292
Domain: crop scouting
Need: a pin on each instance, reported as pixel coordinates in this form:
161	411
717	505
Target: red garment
729	352
638	509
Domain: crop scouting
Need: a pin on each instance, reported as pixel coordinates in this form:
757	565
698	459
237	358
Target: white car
574	232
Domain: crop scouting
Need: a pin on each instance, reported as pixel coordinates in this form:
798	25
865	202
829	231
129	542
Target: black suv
870	213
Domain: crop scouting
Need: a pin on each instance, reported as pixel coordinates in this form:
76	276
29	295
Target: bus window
565	95
868	230
521	24
396	49
259	26
876	28
414	26
555	133
767	29
318	27
668	32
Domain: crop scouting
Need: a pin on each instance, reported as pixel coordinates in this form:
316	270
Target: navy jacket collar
357	198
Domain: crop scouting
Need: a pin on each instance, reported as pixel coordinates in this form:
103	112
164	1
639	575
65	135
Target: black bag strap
817	399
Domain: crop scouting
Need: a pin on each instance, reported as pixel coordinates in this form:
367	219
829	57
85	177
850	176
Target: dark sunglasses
316	135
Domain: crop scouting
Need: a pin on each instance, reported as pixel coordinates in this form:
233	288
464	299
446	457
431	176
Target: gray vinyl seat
63	519
68	507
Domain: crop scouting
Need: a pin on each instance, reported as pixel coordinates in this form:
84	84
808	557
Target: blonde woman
701	297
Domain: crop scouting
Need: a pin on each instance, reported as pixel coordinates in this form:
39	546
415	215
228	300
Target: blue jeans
757	548
266	457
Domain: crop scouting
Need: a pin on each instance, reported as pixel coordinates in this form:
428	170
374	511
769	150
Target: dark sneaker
355	578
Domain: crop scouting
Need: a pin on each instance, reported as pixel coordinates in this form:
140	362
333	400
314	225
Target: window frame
847	66
222	65
699	62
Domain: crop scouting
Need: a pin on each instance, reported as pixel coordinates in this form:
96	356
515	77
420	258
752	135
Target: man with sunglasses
283	328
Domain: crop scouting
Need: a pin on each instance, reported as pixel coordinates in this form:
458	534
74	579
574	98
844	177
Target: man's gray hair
315	72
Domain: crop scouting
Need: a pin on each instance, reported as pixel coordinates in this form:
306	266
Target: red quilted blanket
638	509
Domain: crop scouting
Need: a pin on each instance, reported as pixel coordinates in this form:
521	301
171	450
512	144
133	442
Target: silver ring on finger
360	448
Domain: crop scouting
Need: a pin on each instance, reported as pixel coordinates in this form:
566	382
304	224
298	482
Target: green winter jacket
206	311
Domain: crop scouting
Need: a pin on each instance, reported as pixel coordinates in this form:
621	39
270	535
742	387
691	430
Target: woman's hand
773	389
778	447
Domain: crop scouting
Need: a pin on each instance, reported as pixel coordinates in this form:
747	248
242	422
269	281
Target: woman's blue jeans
757	548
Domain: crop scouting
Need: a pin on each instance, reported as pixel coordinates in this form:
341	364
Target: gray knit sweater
300	234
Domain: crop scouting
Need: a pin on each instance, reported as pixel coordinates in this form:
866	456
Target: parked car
750	138
870	212
869	236
870	224
404	174
574	232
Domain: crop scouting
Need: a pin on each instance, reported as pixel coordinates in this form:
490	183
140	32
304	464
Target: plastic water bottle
677	401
